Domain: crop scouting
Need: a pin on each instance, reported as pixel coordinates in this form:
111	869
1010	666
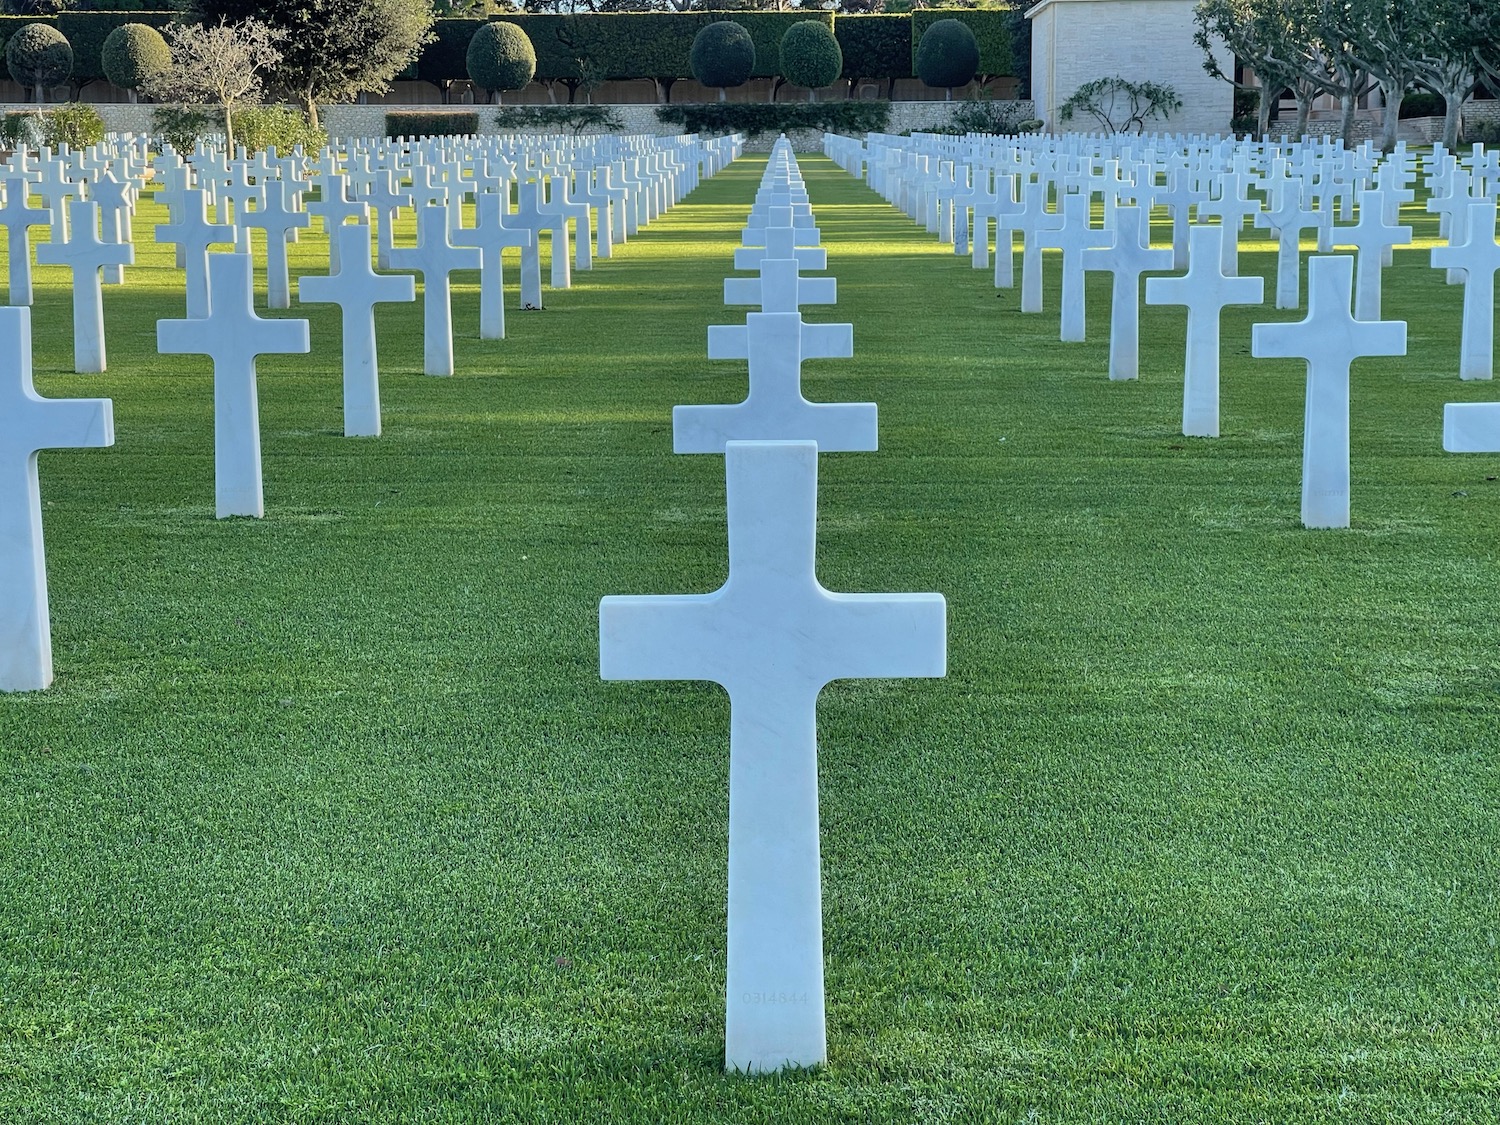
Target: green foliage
554	117
39	56
182	126
431	123
723	55
755	119
132	52
1481	131
810	55
500	57
444	58
19	128
332	50
77	125
982	113
260	127
1119	105
993	30
877	47
1422	103
947	55
86	32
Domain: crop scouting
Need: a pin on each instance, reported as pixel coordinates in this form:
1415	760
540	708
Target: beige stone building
1077	41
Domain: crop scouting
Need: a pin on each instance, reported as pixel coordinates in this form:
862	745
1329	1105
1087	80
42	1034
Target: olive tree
224	65
333	50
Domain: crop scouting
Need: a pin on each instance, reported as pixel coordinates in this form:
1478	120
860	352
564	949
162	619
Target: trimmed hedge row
620	45
656	45
754	119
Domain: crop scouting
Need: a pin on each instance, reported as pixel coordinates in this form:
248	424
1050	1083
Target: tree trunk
1451	115
1346	115
1392	92
130	95
1304	107
1263	114
721	93
309	103
228	129
41	94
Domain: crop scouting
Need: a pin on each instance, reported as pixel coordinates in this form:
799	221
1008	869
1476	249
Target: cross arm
1471	427
657	637
809	290
881	636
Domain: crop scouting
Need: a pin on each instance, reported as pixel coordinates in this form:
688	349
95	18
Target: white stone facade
1077	41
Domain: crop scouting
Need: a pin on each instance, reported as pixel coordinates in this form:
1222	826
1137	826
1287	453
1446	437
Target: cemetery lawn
329	818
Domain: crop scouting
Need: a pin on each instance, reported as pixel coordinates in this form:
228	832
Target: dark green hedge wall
85	33
875	46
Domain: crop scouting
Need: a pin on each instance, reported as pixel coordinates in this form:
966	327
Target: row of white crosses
1328	339
772	636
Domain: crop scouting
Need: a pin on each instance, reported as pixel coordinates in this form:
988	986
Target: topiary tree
132	53
500	58
811	56
39	56
723	54
947	55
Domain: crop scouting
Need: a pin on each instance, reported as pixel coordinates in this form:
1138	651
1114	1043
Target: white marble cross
1329	339
492	237
779	288
1126	260
357	289
776	344
18	217
385	199
1073	238
194	234
1288	219
85	255
1372	237
773	637
1478	256
116	200
434	257
780	242
278	219
233	336
335	208
565	208
530	214
1232	208
29	423
1205	289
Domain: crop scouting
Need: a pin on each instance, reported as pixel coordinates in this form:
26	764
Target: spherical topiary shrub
500	58
39	56
947	55
132	53
811	56
723	55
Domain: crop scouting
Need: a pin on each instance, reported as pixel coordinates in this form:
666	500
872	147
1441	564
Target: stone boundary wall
347	121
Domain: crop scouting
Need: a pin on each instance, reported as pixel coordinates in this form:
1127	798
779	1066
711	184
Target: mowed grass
329	818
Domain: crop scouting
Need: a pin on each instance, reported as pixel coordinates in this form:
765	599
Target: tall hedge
991	28
86	32
875	47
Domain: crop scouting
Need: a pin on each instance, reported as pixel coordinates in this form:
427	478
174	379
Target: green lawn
329	818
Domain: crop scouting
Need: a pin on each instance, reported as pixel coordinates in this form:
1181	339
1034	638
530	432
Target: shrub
983	114
500	57
810	55
17	129
551	117
948	54
258	127
753	120
1423	104
75	125
183	126
39	56
432	123
132	53
723	55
